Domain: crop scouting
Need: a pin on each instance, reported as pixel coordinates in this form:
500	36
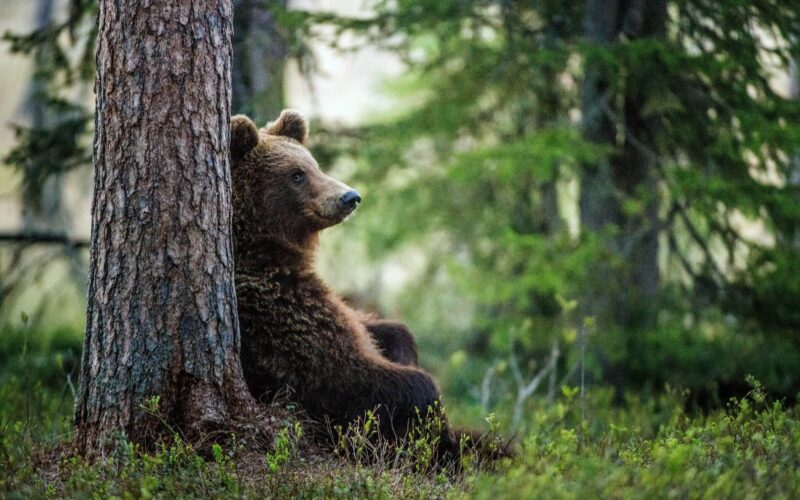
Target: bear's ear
244	136
290	124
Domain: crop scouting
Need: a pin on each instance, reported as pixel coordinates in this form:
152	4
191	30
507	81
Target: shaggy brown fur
297	334
393	339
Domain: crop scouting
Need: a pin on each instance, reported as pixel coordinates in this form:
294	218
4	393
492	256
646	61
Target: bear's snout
350	200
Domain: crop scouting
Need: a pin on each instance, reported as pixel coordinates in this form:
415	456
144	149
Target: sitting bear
297	334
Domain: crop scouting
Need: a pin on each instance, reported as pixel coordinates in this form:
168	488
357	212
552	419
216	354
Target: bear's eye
298	176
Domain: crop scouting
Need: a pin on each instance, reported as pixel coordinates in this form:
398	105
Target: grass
647	447
751	449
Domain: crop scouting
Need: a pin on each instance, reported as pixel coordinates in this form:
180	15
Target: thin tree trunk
161	317
40	204
598	204
794	172
259	61
623	292
635	176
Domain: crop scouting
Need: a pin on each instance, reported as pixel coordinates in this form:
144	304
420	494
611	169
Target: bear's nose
350	199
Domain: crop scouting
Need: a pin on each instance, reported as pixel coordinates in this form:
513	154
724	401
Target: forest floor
574	447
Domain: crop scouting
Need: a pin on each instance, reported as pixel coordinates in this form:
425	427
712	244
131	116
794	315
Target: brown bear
297	334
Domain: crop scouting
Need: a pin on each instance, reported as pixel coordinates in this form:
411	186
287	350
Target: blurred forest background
557	195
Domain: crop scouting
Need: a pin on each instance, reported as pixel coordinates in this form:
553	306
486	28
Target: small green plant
285	446
646	446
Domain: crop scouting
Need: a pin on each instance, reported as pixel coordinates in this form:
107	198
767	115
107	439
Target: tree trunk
635	176
161	317
625	284
794	172
598	204
41	203
259	62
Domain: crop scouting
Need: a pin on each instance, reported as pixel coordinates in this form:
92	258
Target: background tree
40	210
51	142
260	52
626	283
654	129
161	320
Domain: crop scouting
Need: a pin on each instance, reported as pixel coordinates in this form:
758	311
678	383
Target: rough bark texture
625	290
259	62
161	318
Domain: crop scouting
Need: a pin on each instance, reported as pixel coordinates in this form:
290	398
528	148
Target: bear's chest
284	308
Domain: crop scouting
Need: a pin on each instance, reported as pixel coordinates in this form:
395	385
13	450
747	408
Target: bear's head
281	198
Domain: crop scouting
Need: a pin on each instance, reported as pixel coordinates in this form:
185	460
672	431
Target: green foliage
178	471
57	140
38	375
484	171
418	453
580	445
51	149
710	360
285	447
747	450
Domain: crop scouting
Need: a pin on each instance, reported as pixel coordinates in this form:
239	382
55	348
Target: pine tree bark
161	317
